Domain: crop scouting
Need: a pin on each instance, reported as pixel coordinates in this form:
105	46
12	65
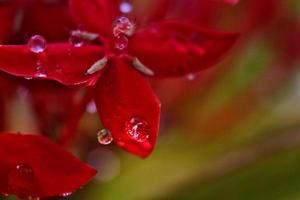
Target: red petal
150	11
34	166
61	62
175	49
231	2
124	95
52	20
52	104
7	15
95	15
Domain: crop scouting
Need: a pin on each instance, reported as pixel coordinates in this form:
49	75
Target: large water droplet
123	26
37	44
121	42
24	171
105	137
138	129
126	7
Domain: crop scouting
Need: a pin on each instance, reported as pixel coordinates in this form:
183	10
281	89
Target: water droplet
66	194
126	7
25	171
105	137
138	129
75	40
37	44
40	71
58	68
121	42
123	26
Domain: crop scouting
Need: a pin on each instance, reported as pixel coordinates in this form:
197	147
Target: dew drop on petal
37	44
40	71
126	7
138	129
123	26
105	137
24	171
121	42
75	40
66	194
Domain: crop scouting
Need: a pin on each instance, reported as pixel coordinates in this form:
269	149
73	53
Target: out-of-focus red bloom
29	167
129	52
22	18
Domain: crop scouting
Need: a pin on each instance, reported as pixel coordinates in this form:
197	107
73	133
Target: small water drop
40	71
138	129
121	42
24	171
75	40
66	194
105	137
37	44
126	7
123	26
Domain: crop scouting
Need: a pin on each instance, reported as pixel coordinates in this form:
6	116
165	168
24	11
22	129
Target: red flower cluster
116	48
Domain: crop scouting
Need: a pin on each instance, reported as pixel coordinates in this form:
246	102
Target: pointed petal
95	15
176	49
61	62
128	108
32	165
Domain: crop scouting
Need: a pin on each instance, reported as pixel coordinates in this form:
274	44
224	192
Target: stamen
97	66
138	65
85	35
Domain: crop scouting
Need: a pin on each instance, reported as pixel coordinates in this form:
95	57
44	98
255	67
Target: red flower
117	69
29	167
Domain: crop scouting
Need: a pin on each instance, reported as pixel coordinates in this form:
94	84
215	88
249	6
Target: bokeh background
231	132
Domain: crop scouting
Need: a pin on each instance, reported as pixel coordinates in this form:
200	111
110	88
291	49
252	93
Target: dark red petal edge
60	62
123	94
175	49
33	166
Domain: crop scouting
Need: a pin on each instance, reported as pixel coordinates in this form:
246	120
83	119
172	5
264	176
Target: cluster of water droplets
24	171
136	128
38	45
122	29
